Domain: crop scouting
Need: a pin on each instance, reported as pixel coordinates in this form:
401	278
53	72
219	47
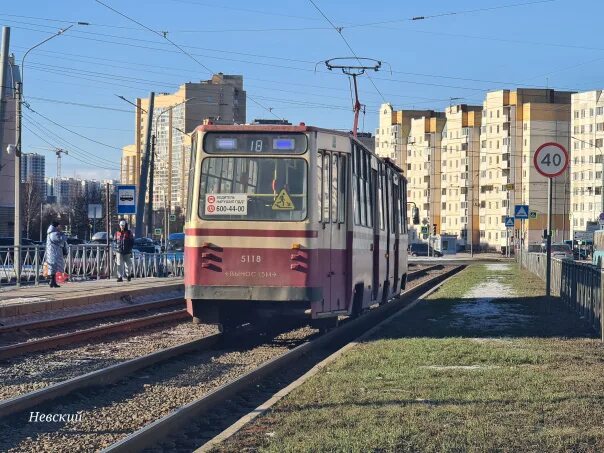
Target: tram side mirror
415	214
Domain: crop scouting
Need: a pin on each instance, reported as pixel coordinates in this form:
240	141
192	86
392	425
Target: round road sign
551	159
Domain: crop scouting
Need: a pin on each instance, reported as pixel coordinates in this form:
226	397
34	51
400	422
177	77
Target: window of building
591	112
599	110
576	114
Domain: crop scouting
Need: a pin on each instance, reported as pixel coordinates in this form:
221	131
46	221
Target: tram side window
387	199
191	178
335	158
342	167
362	176
326	187
403	206
369	191
380	186
356	205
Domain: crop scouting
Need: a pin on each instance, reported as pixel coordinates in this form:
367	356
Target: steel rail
95	332
103	376
158	430
91	315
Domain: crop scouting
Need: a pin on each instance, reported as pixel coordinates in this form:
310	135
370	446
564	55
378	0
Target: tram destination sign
226	204
254	143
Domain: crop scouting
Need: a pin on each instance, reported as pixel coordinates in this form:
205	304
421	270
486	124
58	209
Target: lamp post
152	164
18	148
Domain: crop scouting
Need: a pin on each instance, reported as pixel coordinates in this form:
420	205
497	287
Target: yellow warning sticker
283	202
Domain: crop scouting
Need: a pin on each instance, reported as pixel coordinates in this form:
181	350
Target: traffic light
434	229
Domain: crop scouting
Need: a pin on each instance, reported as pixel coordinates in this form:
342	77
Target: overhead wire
339	31
164	35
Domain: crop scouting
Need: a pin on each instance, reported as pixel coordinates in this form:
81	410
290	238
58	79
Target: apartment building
460	160
130	165
586	177
33	169
392	135
423	170
174	117
514	125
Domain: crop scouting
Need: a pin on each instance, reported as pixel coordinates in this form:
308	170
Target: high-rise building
8	122
514	125
392	134
176	115
587	146
423	163
460	160
33	169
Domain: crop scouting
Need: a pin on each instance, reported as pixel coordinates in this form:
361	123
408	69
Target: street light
17	151
152	164
602	162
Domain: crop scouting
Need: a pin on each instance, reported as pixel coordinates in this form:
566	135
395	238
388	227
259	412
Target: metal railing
579	285
85	262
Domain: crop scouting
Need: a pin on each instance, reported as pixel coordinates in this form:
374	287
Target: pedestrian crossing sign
283	202
521	211
509	222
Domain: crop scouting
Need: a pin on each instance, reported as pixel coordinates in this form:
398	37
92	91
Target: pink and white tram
291	220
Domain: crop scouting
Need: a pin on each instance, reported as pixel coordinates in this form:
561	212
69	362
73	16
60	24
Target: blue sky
71	81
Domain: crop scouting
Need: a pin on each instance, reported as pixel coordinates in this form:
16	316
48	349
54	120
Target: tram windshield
253	188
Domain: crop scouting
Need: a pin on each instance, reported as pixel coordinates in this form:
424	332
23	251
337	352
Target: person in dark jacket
56	249
124	241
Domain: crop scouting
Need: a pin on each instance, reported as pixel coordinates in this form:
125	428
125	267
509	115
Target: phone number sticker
226	204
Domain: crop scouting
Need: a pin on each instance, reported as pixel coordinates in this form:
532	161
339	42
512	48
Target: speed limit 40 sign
551	159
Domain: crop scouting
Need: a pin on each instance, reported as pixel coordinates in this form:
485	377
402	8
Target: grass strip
445	378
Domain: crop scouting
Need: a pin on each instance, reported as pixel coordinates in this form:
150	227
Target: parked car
562	251
74	241
146	245
100	238
422	249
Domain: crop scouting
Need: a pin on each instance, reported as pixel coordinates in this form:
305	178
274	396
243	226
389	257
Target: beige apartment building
514	125
392	135
587	127
423	170
460	160
175	116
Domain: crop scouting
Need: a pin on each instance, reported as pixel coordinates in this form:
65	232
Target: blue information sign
509	222
521	211
126	199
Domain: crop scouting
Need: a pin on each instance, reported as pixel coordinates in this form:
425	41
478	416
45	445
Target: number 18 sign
551	159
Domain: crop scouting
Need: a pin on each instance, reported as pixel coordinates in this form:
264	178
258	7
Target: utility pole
151	173
3	85
142	186
108	226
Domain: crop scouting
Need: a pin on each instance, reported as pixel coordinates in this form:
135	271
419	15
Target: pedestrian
125	241
56	249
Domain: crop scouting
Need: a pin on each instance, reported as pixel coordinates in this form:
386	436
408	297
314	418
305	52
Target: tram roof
266	128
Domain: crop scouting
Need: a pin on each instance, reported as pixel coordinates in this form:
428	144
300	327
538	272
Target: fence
85	262
579	285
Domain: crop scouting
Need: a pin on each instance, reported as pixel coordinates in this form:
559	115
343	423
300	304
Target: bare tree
31	204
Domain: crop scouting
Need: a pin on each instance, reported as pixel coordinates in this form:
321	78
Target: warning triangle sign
283	202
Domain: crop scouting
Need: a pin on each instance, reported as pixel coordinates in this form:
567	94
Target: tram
291	220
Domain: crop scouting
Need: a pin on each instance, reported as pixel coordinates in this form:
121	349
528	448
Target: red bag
61	277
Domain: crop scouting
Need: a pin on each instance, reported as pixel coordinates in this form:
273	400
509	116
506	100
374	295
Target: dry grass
429	382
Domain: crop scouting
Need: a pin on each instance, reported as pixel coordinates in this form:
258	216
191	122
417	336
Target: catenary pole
3	84
142	186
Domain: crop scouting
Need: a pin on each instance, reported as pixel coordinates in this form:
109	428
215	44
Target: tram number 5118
251	259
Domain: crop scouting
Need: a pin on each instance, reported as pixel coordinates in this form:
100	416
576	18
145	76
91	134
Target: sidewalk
34	299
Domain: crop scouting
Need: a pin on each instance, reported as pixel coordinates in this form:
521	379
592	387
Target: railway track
50	339
202	351
244	391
